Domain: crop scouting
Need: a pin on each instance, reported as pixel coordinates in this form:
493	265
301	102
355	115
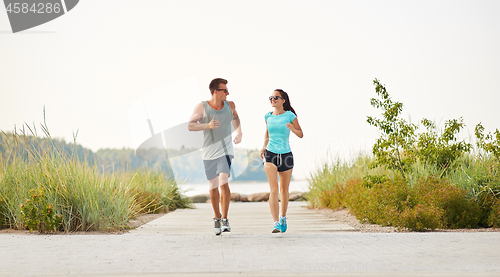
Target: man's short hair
215	84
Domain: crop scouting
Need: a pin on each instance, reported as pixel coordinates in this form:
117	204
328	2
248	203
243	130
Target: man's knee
223	179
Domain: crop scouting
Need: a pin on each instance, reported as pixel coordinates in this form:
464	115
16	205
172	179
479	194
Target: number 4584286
34	8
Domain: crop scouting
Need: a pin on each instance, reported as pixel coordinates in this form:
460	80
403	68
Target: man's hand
214	123
237	138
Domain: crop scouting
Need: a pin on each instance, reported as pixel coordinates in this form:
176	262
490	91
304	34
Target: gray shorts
220	165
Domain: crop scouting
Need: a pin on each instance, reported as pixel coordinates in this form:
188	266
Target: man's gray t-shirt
217	141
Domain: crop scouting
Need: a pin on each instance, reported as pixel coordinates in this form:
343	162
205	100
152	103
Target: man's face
222	92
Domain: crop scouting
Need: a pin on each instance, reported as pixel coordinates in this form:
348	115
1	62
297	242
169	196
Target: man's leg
225	194
225	198
214	196
214	199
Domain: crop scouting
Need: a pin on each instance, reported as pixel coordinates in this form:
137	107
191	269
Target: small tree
488	143
393	149
399	146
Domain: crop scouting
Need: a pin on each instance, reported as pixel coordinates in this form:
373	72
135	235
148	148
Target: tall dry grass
87	198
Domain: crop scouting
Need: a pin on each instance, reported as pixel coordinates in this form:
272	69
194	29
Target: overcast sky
91	67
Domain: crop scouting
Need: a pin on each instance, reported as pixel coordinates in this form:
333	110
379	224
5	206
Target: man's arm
197	116
236	123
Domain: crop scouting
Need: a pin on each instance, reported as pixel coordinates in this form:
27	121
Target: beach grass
85	198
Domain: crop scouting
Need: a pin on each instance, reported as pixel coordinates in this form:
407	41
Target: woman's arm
295	128
266	140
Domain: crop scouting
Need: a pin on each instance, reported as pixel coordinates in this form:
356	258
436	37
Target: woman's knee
273	189
283	189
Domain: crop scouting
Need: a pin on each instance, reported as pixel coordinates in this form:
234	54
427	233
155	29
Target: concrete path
244	218
182	243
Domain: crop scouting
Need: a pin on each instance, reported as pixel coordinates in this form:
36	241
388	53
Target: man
214	118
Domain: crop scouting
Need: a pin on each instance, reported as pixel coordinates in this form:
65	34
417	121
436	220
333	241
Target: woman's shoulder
290	114
268	115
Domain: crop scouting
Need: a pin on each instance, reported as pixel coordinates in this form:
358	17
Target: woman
277	155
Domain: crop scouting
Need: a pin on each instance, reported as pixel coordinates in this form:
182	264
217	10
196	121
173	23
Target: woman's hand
262	153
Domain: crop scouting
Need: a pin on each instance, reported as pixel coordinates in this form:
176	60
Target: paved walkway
182	243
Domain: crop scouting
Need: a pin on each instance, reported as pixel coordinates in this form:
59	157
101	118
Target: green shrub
38	214
334	198
432	203
458	211
420	217
376	203
494	215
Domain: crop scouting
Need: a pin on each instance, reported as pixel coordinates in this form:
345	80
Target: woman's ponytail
286	106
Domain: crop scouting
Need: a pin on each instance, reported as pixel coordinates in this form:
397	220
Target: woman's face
277	102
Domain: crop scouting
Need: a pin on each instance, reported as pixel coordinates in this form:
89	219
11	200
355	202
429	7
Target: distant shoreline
247	187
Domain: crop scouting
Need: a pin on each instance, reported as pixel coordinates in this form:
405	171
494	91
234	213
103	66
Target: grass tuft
86	198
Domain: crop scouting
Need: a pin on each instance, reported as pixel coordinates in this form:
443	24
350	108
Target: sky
105	66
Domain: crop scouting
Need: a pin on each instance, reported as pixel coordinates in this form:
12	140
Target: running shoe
276	227
217	228
225	225
283	224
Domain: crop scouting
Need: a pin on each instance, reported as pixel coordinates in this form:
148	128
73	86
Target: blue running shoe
283	224
277	227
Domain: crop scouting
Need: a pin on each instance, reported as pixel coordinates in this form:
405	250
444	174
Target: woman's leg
285	178
272	177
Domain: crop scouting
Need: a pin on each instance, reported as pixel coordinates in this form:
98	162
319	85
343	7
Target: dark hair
286	106
215	84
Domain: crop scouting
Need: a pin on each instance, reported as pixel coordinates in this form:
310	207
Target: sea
191	189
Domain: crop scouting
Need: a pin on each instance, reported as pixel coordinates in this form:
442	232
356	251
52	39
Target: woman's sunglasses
275	97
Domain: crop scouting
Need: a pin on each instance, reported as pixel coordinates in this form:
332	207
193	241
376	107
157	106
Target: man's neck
215	103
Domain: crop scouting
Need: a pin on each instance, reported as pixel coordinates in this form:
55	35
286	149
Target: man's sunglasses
223	89
275	97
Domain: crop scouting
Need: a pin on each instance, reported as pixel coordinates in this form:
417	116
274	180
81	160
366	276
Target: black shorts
220	165
283	162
